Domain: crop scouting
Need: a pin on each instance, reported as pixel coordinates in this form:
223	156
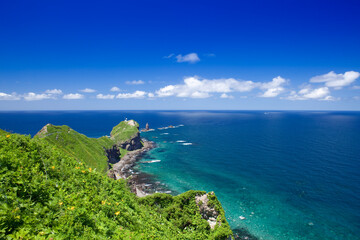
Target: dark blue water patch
288	175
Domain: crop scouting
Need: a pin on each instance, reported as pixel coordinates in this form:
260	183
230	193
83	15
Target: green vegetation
124	131
89	150
47	194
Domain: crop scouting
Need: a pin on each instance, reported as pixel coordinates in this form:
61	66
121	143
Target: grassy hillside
124	131
47	194
89	150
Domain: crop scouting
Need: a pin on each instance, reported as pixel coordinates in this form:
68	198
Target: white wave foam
186	144
180	141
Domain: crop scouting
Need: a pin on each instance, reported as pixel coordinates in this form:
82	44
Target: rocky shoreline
140	183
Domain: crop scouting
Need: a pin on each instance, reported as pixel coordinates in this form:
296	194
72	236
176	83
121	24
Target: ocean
278	174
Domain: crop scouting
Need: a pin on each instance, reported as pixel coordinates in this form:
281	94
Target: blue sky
268	55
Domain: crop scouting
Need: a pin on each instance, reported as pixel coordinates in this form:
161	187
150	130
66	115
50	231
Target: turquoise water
291	175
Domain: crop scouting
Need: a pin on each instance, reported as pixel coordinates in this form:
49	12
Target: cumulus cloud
190	58
88	90
336	81
136	94
135	82
12	96
194	87
36	97
224	95
73	96
273	88
53	91
151	95
102	96
307	93
115	89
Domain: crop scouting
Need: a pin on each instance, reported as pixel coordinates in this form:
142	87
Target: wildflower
77	167
8	135
109	204
89	169
81	164
53	167
83	171
72	208
103	202
60	203
117	213
117	204
17	217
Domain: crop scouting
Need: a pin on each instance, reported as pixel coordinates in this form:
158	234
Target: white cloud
273	88
194	87
190	58
12	96
151	95
336	81
88	90
224	95
53	91
136	94
138	82
115	89
169	56
35	97
307	93
102	96
72	96
356	87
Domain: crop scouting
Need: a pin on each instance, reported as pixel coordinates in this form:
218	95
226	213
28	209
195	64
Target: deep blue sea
279	175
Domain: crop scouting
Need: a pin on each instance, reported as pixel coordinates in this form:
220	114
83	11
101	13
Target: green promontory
95	152
46	193
124	131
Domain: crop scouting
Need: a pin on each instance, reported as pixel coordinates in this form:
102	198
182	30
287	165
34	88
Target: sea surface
279	175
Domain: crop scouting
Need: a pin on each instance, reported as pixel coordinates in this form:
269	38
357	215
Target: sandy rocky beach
140	183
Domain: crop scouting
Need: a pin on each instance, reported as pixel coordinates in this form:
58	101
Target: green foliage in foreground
79	146
124	131
45	194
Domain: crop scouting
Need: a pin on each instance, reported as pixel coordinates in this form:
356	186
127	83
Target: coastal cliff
54	191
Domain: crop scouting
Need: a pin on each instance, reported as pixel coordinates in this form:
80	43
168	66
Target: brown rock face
132	144
207	212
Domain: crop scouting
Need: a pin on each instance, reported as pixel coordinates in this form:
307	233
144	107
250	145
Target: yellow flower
53	167
8	135
117	213
72	208
83	171
103	202
89	169
77	167
60	203
17	217
81	164
117	204
109	204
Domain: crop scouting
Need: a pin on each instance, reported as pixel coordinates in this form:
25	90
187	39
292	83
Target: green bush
45	193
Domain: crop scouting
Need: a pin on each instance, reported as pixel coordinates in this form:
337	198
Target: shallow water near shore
278	175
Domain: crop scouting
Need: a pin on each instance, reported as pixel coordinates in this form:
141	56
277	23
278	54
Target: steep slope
47	194
89	150
95	152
